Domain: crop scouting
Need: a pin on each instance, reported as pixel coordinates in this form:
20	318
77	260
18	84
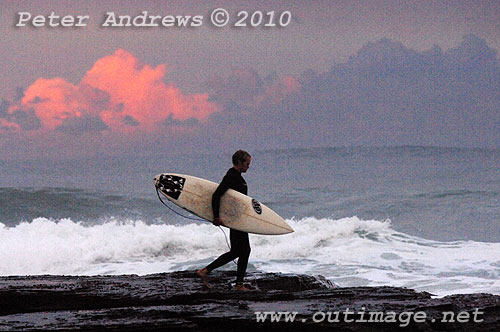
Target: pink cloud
119	90
145	97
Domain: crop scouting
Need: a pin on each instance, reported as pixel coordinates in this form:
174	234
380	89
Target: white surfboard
237	211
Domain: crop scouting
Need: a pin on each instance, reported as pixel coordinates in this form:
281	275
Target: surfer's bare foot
240	287
203	274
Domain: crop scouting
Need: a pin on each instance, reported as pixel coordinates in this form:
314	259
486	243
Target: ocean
425	218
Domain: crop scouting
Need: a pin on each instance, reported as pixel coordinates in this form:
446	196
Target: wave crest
348	251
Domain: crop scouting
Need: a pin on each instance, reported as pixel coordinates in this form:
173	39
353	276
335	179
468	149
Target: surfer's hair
240	155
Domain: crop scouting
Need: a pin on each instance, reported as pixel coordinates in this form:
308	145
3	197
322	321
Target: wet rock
178	301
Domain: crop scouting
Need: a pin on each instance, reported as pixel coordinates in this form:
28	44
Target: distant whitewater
416	217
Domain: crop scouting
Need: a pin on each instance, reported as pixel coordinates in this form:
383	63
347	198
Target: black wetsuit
240	245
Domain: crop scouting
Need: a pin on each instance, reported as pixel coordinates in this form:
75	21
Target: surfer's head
241	161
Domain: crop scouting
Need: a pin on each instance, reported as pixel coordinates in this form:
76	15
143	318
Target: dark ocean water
363	216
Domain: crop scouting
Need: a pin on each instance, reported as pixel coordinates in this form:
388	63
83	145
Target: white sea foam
348	251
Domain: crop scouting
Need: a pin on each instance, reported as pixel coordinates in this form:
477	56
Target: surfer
240	245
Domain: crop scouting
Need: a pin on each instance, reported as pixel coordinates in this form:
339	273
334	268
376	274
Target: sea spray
348	251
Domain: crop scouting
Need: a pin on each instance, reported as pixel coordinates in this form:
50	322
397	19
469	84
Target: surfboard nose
286	228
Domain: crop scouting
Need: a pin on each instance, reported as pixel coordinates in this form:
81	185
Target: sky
332	73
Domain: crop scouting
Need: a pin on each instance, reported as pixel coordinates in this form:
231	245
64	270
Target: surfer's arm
221	189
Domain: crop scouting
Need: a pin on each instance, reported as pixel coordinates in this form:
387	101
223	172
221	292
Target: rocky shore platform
279	302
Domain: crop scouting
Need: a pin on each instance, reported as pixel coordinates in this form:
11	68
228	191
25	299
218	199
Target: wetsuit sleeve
221	189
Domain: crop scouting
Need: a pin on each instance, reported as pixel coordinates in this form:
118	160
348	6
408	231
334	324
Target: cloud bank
385	94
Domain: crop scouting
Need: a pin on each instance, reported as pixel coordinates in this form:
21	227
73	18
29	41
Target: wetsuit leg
221	260
241	246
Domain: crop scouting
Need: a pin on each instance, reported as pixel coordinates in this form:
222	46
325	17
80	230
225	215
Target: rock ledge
177	301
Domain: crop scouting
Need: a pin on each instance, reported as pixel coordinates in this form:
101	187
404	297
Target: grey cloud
170	121
19	94
242	86
84	124
130	121
4	107
387	94
25	118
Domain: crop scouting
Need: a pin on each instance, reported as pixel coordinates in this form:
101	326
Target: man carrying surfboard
240	244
